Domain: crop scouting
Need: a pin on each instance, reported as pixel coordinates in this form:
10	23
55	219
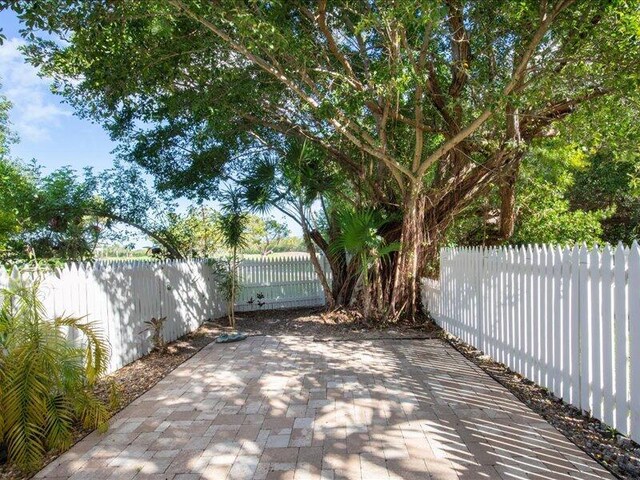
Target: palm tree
45	379
232	227
294	177
360	238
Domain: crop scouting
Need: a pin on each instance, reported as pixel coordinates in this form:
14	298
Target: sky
47	128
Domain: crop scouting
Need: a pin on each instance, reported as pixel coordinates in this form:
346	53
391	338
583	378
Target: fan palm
360	238
45	379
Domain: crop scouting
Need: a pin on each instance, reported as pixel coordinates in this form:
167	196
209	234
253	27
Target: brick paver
292	408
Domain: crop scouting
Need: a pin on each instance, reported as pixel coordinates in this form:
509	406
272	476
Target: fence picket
595	335
606	316
621	333
567	333
558	325
583	309
568	319
634	339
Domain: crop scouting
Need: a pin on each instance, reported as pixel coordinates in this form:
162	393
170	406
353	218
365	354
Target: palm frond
43	376
58	422
91	411
96	348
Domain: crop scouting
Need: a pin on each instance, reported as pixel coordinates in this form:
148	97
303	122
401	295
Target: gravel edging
618	454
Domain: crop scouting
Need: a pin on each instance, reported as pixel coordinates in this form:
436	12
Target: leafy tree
17	197
7	137
196	232
609	185
63	215
422	108
16	184
291	244
543	212
264	235
121	195
44	215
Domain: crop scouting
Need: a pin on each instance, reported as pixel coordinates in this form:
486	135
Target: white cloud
36	111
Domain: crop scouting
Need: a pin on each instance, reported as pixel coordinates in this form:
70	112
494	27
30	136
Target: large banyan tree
420	107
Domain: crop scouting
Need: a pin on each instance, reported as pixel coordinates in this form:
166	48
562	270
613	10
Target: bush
45	380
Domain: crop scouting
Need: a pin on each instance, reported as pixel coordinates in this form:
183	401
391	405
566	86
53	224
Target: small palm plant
360	237
45	379
232	225
156	326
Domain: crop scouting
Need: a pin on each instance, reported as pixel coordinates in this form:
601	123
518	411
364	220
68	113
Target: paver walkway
291	408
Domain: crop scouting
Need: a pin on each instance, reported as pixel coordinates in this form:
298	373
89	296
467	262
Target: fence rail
568	319
121	296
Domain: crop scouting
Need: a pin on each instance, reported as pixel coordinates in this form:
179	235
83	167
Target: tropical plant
360	237
156	326
293	178
233	232
46	380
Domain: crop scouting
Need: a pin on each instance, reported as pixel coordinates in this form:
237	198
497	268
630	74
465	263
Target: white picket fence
284	282
568	319
120	296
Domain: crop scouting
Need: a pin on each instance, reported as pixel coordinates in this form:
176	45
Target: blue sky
47	128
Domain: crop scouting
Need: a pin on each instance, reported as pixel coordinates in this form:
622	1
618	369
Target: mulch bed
336	326
616	453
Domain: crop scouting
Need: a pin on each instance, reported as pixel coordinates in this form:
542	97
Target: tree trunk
328	293
405	294
343	281
508	202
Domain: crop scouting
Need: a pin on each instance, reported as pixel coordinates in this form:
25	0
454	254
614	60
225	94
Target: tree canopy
420	108
63	215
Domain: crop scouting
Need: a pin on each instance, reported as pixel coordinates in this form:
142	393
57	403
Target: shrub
156	326
45	379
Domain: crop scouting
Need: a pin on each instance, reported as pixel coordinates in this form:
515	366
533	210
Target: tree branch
516	78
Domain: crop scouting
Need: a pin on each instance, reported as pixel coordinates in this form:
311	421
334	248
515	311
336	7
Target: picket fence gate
120	296
567	319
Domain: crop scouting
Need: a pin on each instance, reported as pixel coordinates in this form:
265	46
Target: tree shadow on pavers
282	407
398	403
